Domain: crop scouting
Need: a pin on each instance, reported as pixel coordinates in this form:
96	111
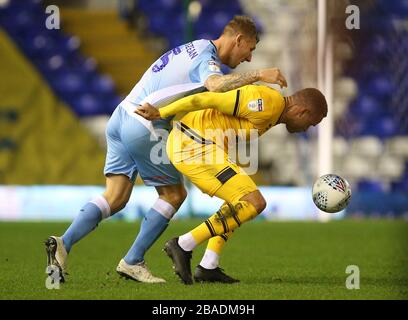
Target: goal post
325	80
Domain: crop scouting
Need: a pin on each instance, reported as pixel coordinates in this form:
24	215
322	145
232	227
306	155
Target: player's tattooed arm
217	83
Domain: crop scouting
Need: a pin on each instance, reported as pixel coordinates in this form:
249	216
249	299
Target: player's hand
274	76
148	112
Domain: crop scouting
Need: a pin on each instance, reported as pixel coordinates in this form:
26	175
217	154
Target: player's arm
219	83
224	102
208	71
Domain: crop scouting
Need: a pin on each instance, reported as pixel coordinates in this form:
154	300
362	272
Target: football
331	193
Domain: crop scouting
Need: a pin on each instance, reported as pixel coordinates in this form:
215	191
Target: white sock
187	242
103	205
210	259
164	208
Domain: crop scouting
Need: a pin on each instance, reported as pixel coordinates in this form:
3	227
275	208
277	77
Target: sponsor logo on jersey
214	66
256	105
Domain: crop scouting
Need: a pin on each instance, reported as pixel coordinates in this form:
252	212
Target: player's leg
229	217
244	203
213	251
120	173
156	170
208	269
225	180
116	195
210	260
156	221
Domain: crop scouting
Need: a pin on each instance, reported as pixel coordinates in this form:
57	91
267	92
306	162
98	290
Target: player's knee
117	207
176	198
116	203
258	202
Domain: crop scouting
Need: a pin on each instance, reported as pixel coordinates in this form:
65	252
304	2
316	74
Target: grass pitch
278	260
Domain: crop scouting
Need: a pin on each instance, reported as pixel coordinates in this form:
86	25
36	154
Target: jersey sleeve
205	65
259	104
225	102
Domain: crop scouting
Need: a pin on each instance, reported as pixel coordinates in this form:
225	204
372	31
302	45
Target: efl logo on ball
331	193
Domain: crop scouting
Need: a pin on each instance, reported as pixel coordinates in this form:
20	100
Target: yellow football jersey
249	107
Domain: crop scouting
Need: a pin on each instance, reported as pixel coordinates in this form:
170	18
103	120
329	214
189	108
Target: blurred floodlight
4	3
194	10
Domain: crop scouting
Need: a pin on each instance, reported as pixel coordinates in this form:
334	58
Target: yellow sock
227	219
217	243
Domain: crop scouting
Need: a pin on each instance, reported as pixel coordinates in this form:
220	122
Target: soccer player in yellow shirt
195	152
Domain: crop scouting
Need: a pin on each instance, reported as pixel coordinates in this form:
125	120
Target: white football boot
138	272
56	256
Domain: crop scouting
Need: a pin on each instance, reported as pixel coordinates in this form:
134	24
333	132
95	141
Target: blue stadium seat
381	86
86	105
381	127
370	185
379	69
380	46
365	106
397	8
111	103
68	83
73	77
102	86
167	18
400	186
176	40
152	7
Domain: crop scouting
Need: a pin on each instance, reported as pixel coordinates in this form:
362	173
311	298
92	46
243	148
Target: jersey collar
215	48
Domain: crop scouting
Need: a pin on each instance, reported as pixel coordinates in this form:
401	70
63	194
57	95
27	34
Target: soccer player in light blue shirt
187	69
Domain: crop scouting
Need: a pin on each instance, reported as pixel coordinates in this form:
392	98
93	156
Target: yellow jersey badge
256	105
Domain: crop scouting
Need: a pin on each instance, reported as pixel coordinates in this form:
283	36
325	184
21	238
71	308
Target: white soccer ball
331	193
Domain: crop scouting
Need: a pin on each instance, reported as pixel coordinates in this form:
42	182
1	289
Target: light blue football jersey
131	138
189	63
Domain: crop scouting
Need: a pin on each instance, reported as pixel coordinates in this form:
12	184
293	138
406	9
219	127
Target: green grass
272	260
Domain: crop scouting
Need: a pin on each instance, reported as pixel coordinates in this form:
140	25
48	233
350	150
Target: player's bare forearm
217	83
233	81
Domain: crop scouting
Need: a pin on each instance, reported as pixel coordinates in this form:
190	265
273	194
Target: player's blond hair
313	99
242	24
